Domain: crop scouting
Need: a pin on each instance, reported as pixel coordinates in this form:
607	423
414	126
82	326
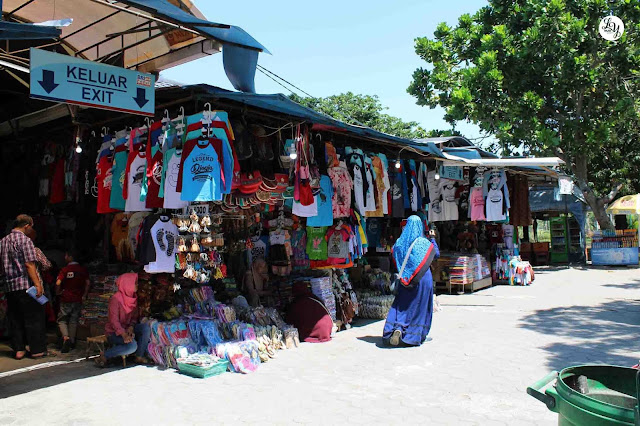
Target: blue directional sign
63	78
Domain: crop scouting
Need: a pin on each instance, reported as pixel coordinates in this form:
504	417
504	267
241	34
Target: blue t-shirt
325	208
201	174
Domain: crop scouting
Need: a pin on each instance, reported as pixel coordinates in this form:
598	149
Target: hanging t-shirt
324	200
507	233
164	234
151	193
494	206
338	244
305	211
119	168
259	250
476	200
370	196
449	205
57	183
316	243
104	179
200	172
397	202
435	205
378	188
358	188
171	196
137	169
342	185
300	258
386	204
374	232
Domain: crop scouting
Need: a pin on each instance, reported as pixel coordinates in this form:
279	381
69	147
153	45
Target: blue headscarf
422	254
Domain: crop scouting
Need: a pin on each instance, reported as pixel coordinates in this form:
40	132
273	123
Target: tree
537	75
363	110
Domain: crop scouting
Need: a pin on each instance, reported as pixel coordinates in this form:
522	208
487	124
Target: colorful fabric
421	255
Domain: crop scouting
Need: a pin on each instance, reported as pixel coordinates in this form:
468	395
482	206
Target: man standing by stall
18	271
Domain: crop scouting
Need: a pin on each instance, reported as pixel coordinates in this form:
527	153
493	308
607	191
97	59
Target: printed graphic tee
119	167
476	200
137	170
172	200
153	179
104	179
164	234
324	201
200	172
342	185
316	243
494	207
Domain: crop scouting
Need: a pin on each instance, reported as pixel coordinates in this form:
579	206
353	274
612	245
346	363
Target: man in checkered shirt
18	271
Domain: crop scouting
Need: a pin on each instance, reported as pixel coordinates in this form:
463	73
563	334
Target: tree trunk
596	203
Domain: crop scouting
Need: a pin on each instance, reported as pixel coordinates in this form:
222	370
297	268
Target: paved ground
486	349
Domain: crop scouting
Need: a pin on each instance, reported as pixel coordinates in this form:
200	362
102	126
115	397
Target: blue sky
331	47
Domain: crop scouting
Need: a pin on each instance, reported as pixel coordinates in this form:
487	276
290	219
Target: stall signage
451	172
63	78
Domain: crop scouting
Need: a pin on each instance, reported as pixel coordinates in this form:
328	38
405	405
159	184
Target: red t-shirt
74	278
154	177
104	177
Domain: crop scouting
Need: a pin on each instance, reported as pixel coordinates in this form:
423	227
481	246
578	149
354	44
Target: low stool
100	343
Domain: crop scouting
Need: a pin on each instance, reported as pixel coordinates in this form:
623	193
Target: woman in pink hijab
123	331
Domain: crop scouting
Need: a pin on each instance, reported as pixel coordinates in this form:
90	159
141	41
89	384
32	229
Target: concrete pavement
487	348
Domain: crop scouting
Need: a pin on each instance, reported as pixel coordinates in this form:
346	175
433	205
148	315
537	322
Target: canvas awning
150	35
629	204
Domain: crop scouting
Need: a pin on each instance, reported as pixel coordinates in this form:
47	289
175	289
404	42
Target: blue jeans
138	344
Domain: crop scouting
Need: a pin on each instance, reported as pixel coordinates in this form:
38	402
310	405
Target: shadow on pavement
625	286
607	333
40	378
376	340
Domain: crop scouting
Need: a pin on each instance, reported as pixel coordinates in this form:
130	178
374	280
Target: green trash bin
590	395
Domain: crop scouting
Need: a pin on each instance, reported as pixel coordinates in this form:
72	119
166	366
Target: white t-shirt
305	211
507	232
358	188
449	205
370	202
171	195
137	171
165	241
494	206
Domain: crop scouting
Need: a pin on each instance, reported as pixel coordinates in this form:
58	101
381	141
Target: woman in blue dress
409	320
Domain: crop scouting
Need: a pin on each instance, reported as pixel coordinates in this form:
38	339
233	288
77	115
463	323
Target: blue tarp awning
221	32
548	199
282	104
19	31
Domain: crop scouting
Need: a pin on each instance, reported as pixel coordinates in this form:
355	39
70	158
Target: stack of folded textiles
96	308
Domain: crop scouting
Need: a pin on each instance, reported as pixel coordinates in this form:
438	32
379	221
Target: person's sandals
18	358
101	361
48	354
142	360
394	340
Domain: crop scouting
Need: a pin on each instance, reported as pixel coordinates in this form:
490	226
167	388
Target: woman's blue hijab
421	255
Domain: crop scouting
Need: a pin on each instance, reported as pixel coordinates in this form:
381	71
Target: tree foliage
537	75
364	110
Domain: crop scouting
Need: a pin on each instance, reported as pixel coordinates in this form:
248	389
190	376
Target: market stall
618	247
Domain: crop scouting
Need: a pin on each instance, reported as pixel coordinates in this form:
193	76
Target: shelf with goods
576	242
619	247
559	240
